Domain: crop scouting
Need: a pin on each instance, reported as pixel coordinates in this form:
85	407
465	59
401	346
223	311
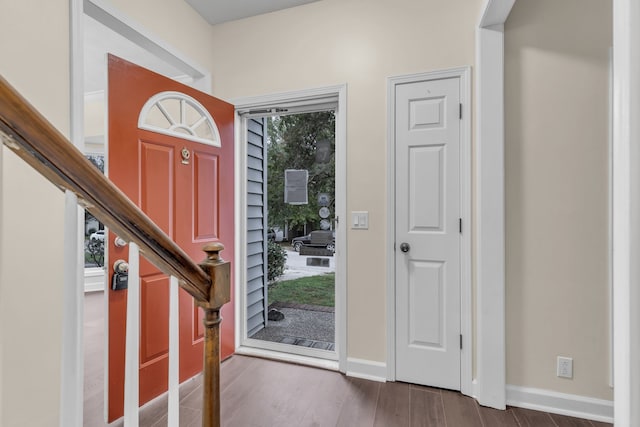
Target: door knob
121	266
120	242
404	247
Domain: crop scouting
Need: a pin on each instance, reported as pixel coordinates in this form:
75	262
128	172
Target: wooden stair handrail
28	134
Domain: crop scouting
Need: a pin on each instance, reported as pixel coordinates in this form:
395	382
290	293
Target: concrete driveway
296	266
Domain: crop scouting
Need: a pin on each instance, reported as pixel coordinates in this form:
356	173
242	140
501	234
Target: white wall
556	149
35	59
94	117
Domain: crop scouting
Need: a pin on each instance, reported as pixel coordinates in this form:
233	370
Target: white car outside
98	235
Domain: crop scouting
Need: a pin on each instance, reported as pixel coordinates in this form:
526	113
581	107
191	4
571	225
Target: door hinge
460	341
460	111
460	225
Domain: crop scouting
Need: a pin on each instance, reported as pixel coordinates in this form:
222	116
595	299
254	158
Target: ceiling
219	11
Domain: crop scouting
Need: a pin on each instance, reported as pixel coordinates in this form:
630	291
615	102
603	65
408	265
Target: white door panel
425	184
425	302
427	213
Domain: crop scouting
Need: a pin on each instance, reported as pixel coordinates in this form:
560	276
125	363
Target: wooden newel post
219	294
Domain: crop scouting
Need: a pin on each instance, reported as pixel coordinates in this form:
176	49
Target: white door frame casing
489	386
299	98
464	74
490	381
626	211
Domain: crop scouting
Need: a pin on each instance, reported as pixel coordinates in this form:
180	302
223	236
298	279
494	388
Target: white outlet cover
564	367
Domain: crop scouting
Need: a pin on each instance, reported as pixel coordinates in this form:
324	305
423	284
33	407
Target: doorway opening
293	198
299	297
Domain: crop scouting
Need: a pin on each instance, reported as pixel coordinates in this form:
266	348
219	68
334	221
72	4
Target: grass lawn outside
315	290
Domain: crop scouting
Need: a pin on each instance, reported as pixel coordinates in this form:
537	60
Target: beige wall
35	59
360	43
556	166
556	55
174	22
34	47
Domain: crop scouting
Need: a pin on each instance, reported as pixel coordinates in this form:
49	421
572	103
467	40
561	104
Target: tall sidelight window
94	232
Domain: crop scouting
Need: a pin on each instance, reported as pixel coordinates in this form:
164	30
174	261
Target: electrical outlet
565	367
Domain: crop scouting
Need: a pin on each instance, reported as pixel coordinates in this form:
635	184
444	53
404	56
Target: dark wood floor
264	393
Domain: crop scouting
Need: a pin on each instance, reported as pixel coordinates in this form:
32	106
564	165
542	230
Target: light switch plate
360	220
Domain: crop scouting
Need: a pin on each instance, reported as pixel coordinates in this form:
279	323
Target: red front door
186	188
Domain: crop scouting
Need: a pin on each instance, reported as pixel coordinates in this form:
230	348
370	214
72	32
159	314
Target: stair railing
29	135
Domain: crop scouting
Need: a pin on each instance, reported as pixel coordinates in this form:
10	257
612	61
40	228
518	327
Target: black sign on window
295	186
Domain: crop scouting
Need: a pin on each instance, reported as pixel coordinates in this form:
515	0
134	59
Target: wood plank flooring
264	393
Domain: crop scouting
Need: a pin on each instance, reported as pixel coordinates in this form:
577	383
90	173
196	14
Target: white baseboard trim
93	279
367	369
560	403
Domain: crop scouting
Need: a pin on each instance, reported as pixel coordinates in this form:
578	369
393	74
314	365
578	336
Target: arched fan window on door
179	115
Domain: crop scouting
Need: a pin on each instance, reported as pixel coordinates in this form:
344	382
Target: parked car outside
98	235
275	234
316	239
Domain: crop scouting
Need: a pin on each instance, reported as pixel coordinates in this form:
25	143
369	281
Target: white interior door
427	256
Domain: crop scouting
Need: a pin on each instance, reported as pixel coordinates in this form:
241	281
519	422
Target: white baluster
132	346
173	414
